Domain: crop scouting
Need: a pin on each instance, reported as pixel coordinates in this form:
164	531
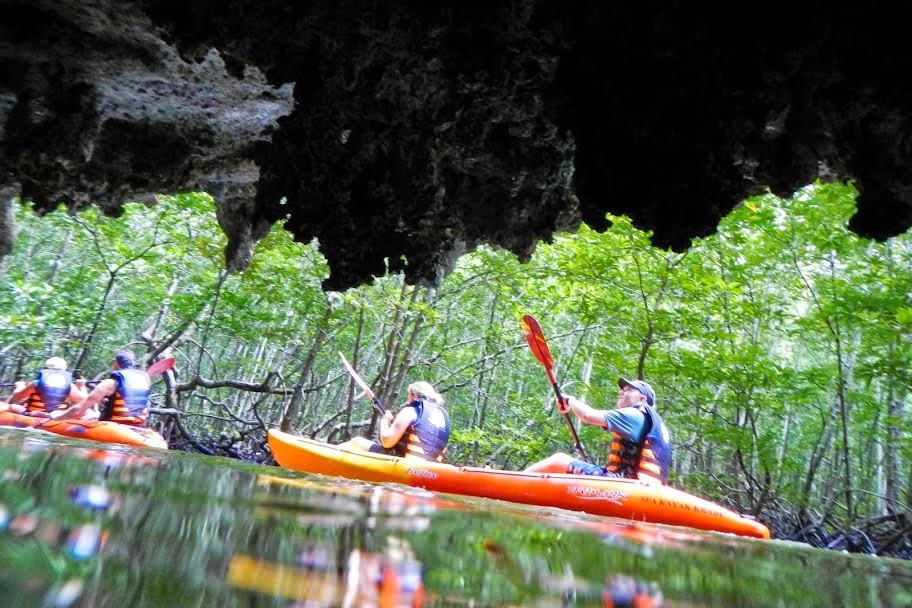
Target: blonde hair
424	390
55	363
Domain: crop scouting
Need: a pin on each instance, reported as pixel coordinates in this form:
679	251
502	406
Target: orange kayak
97	430
622	498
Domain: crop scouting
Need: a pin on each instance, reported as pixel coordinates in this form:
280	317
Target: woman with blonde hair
421	428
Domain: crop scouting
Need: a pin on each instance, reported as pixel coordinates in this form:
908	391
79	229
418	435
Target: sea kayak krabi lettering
672	504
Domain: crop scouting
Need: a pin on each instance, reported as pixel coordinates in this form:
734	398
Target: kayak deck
623	498
97	430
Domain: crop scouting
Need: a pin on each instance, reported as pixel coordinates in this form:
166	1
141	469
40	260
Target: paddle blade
357	378
160	367
536	339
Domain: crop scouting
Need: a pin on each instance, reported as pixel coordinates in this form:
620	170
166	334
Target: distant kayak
97	430
627	499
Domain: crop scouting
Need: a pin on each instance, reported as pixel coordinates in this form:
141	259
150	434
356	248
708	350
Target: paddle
160	367
536	339
363	384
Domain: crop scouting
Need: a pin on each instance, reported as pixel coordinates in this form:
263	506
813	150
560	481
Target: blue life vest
52	387
130	402
428	436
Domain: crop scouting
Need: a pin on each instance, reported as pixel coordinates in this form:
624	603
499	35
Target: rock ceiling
405	133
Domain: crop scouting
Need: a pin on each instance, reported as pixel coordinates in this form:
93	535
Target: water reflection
84	527
392	577
58	530
334	564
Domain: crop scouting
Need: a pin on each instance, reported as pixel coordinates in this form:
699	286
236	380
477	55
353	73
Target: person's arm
584	411
391	430
628	422
22	391
102	390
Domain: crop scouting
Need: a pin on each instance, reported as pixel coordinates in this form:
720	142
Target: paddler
640	444
52	387
421	428
123	398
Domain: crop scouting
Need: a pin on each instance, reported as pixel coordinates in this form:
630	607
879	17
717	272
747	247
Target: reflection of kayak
366	582
622	498
342	505
97	430
284	581
375	580
354	498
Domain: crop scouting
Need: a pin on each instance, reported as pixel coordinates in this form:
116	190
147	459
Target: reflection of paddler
401	585
85	541
82	542
391	579
626	592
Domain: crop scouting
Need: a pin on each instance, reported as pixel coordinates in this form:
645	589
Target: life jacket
648	460
428	436
52	387
637	597
130	402
400	586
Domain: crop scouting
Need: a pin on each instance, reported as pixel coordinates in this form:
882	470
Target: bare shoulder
106	386
407	414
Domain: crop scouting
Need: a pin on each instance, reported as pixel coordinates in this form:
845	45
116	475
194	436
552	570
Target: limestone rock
402	134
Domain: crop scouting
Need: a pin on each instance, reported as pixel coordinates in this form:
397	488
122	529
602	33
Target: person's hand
56	414
388	417
20	384
563	404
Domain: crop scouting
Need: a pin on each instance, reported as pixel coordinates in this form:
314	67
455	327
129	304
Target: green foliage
747	337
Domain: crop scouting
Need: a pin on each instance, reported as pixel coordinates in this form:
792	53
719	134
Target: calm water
87	525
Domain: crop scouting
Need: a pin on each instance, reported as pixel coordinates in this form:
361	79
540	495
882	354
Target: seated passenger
421	428
53	387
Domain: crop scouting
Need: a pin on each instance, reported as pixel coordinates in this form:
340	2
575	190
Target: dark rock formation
404	133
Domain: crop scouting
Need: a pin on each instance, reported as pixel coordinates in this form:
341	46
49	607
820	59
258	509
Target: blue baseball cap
641	386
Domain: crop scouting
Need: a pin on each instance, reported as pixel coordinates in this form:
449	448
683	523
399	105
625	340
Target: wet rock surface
402	134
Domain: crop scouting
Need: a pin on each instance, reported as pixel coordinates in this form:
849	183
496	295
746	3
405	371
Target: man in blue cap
640	444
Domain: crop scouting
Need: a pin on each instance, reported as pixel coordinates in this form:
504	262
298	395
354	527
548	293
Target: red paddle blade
536	339
160	367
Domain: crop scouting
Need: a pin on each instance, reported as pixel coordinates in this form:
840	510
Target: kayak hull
622	498
96	430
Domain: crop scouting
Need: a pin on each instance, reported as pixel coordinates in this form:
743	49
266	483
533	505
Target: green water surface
84	524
